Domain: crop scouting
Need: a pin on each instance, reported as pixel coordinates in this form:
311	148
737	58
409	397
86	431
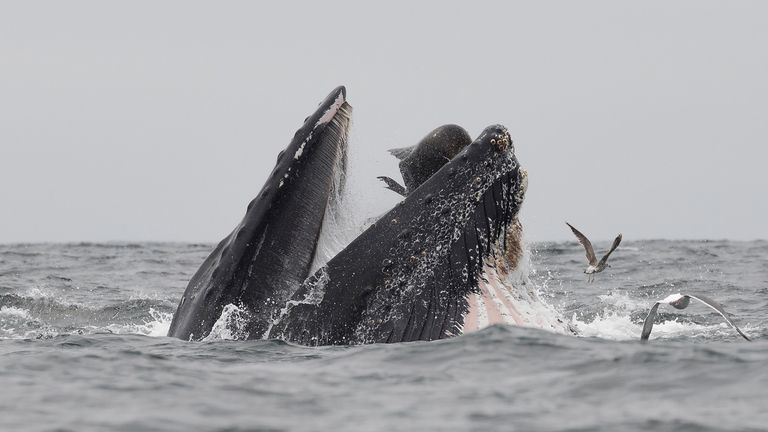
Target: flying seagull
680	301
594	265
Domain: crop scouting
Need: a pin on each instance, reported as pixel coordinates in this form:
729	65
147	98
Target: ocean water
83	348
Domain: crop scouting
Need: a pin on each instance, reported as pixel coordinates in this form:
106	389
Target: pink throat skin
491	305
507	299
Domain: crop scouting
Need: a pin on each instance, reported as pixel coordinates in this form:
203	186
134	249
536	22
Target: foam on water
618	326
614	321
612	325
157	326
11	318
37	292
14	312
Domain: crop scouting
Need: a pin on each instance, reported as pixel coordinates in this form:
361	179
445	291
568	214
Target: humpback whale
269	254
409	276
493	302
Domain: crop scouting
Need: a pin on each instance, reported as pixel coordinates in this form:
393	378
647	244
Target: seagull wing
616	242
586	243
679	301
719	309
648	324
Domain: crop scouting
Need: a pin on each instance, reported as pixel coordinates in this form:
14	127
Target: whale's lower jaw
273	249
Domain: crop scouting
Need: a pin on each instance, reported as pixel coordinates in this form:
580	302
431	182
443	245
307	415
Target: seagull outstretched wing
616	242
648	324
681	301
719	309
587	245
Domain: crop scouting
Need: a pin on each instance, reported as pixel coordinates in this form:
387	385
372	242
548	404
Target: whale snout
502	141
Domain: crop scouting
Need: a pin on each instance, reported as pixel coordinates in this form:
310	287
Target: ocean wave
42	316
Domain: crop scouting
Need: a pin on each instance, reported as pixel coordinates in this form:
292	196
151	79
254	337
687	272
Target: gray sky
161	120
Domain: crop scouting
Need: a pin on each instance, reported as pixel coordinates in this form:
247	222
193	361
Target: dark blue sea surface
82	348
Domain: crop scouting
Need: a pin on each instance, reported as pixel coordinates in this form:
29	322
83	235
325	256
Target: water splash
514	299
231	325
621	318
351	210
157	326
531	298
11	318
